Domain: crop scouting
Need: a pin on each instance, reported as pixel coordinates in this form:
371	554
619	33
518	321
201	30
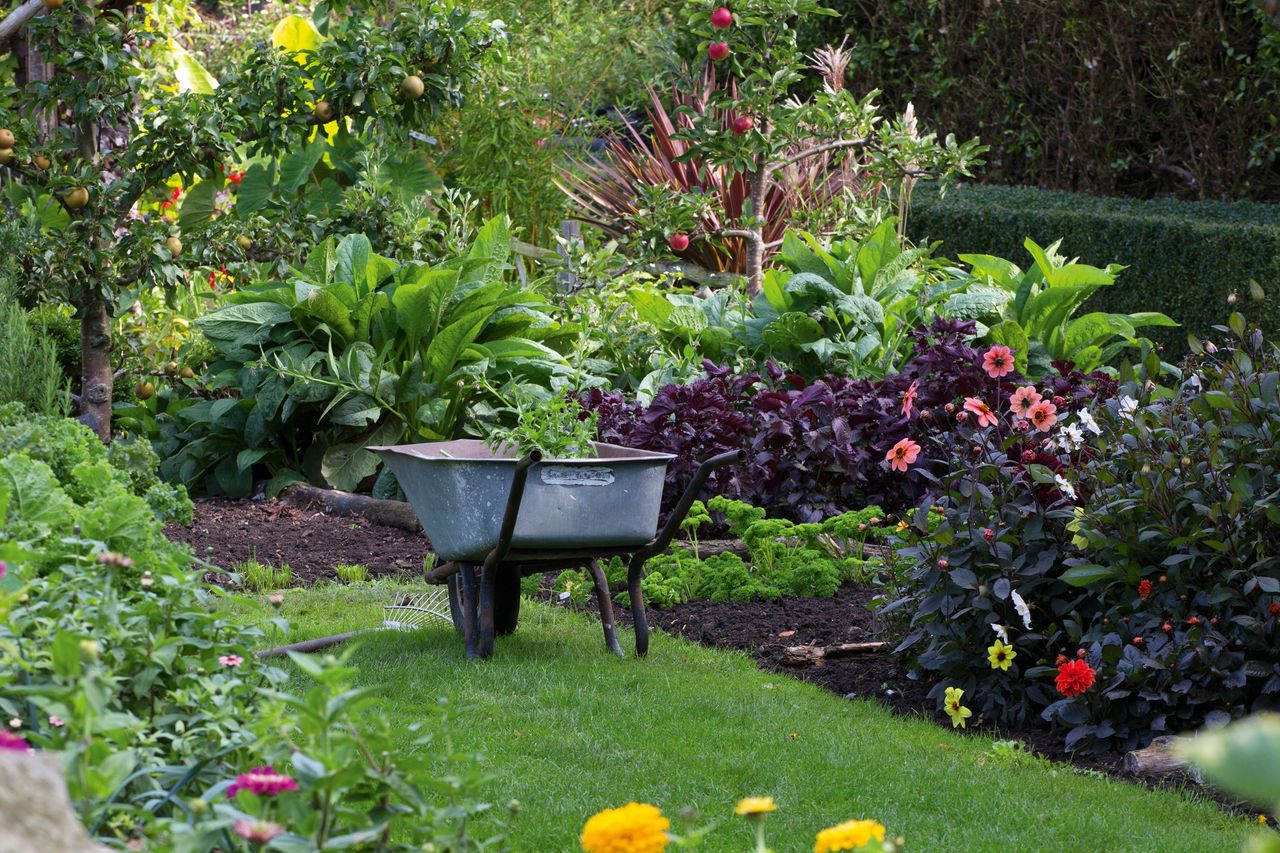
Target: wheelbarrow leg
604	602
635	573
488	583
470	632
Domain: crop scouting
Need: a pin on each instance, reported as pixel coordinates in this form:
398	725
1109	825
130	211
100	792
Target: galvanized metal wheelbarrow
555	514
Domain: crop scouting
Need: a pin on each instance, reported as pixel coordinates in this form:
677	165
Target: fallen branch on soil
1159	758
818	655
391	513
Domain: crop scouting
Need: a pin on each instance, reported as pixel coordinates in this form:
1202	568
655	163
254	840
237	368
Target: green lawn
569	729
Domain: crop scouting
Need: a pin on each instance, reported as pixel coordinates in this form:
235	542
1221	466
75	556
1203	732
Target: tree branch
822	149
19	16
749	236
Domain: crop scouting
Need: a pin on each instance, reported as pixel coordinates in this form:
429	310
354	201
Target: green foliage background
1107	96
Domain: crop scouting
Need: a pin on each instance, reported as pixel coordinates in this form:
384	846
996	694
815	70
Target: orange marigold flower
985	416
849	835
633	828
998	361
902	454
1023	399
1043	415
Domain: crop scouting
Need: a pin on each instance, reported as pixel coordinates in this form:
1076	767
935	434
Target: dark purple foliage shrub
815	449
694	422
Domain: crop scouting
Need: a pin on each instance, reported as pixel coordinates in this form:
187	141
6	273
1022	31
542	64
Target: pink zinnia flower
11	742
998	361
902	454
986	417
263	781
231	660
908	400
1043	415
1023	399
257	831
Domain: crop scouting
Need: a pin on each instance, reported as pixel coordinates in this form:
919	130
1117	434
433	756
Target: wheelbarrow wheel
506	602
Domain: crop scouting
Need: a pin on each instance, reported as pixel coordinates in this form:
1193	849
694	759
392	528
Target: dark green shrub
1145	556
1180	258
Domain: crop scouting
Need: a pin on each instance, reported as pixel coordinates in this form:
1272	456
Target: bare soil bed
226	532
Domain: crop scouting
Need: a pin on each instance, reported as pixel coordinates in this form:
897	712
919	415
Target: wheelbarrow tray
459	490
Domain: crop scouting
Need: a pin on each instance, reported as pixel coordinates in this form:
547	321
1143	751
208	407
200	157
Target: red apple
717	50
741	125
722	18
678	242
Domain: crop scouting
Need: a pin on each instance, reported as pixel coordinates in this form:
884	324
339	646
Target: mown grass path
568	729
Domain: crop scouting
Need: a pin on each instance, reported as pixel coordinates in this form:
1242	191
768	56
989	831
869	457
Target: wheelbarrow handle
691	492
514	498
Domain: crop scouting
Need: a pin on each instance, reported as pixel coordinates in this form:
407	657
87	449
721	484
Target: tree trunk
96	379
755	245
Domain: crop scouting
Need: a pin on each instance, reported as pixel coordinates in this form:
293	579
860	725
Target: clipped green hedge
1182	258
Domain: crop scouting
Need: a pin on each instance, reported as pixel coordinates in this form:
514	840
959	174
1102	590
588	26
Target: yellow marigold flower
1001	655
957	712
849	835
750	806
633	828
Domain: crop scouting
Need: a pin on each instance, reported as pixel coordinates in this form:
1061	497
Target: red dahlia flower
1074	678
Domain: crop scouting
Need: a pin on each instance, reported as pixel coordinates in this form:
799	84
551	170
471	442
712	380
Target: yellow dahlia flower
633	828
1001	655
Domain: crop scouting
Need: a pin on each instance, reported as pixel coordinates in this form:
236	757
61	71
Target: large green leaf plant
1032	312
353	350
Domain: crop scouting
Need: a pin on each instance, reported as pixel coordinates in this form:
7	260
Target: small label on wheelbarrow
573	475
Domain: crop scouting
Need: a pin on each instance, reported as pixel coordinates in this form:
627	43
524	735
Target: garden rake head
409	612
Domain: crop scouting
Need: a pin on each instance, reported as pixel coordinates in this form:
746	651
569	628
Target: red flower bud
1059	401
1166	627
1137	641
1060	661
722	18
988	534
944	565
1028	456
949	408
718	51
1194	620
961	417
1274	608
678	242
1080	653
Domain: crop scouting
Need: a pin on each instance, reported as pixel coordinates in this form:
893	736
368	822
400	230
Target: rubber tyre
506	602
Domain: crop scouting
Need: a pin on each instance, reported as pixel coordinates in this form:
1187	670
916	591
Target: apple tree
92	147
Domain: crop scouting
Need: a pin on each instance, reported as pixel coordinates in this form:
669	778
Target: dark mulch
226	532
